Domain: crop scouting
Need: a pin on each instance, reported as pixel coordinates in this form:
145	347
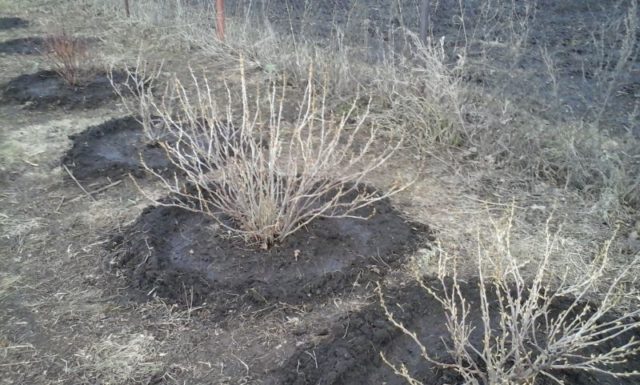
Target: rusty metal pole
126	8
220	19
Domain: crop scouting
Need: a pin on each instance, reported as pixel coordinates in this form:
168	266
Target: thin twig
101	189
78	183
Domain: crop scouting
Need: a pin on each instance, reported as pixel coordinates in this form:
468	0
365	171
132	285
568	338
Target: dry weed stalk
269	177
68	55
425	95
534	328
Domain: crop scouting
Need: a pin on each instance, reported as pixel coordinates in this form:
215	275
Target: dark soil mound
12	22
46	89
173	252
23	46
113	150
350	354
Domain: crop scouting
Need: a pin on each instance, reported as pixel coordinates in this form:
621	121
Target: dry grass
417	87
120	359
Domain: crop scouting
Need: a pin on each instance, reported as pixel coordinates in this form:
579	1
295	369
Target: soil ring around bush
113	150
23	46
12	22
172	252
350	353
46	89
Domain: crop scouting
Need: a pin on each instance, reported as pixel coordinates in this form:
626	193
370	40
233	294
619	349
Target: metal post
424	19
126	8
220	19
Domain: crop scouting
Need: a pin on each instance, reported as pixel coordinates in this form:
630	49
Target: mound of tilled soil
46	89
113	149
23	46
350	353
173	252
12	22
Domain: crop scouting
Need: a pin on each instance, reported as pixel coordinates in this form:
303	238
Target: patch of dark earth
31	45
12	22
23	46
176	254
47	90
350	352
113	150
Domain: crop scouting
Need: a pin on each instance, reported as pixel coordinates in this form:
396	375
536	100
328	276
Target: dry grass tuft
119	360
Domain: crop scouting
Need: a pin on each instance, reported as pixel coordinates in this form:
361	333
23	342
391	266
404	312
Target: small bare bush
68	55
270	177
532	328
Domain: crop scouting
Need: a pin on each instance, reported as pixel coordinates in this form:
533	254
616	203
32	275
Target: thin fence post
424	19
220	19
127	10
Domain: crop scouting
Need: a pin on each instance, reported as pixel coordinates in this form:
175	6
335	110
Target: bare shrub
270	177
137	95
532	328
68	56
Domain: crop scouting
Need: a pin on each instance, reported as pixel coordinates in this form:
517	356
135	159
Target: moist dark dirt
175	253
23	46
350	353
12	22
114	149
46	90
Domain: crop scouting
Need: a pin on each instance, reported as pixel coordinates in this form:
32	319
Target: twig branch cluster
269	176
531	328
68	55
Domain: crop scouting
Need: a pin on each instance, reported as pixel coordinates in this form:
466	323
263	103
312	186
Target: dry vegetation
269	177
273	176
69	56
533	323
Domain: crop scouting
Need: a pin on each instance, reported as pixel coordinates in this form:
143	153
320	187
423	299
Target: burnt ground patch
23	46
46	90
113	150
172	252
12	22
350	352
